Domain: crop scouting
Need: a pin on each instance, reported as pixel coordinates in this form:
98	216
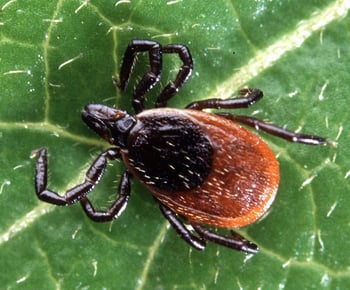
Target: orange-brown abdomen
242	179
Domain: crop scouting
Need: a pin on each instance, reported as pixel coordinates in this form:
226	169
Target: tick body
202	168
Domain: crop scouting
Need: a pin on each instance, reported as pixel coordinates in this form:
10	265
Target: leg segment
117	207
251	96
178	225
93	175
275	130
236	242
150	79
182	76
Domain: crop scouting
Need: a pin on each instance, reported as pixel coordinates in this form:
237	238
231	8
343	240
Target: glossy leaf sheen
57	57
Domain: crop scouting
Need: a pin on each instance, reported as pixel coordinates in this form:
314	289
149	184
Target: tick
203	169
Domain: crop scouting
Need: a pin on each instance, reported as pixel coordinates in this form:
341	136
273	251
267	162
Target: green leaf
57	56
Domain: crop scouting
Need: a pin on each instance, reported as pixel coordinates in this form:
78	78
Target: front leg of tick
93	175
117	207
149	79
182	76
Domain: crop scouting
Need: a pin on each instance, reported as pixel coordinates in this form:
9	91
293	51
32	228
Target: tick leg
117	207
150	79
236	241
276	131
251	96
182	76
180	228
93	175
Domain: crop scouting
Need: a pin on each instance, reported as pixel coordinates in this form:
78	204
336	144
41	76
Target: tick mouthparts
101	112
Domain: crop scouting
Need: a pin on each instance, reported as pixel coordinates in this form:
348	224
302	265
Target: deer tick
203	169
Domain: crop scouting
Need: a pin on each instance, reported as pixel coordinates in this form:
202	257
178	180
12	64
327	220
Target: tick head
111	124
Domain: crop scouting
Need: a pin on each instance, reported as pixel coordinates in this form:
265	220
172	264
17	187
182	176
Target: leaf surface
58	56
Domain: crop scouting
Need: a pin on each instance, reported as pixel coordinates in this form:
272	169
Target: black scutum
169	152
